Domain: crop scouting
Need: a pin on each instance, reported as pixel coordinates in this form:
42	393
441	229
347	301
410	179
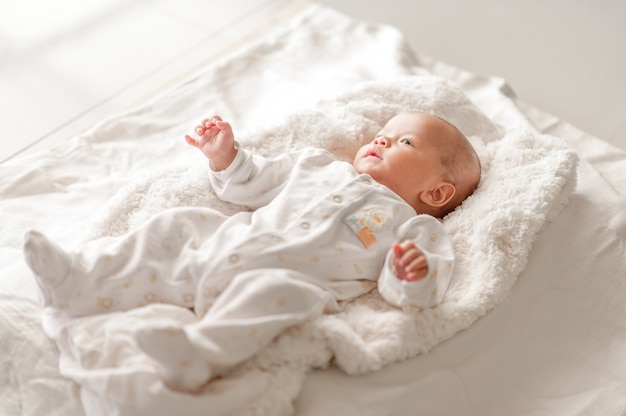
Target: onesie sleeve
429	236
251	179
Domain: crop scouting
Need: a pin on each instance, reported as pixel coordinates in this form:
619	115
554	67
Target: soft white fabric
566	308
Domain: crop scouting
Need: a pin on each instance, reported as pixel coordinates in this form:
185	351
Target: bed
549	341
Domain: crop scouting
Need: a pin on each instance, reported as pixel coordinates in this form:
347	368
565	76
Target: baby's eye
405	141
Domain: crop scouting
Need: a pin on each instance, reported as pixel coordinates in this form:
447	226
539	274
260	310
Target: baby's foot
176	357
49	262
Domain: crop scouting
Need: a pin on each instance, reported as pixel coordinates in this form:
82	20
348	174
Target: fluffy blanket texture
527	178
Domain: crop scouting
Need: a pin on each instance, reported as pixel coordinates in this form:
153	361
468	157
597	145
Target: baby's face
404	155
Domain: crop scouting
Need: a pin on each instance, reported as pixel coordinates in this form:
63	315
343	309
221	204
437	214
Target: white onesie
318	234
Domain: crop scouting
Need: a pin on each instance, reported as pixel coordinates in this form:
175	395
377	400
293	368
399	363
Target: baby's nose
381	141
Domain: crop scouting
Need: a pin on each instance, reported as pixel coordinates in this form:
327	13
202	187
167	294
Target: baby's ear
439	195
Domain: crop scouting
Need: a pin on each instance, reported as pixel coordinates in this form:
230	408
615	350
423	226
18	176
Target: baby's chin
360	169
363	166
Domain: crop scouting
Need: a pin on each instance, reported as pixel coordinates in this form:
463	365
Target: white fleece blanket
527	178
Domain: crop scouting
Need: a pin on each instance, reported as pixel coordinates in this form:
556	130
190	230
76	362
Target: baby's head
425	160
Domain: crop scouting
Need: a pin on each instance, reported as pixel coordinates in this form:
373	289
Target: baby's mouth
373	152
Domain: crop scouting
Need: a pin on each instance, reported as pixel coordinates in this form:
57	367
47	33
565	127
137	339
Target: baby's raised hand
409	261
217	141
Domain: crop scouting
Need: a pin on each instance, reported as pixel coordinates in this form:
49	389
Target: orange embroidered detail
366	235
364	225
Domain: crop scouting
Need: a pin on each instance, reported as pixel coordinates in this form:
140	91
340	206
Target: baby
321	233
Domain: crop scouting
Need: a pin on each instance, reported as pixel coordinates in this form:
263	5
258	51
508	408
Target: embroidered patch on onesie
366	223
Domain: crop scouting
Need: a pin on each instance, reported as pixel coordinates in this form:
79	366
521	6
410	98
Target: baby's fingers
192	141
409	261
417	269
397	251
418	263
207	123
406	252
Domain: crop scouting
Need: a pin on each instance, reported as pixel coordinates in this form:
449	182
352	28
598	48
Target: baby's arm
237	175
216	142
417	270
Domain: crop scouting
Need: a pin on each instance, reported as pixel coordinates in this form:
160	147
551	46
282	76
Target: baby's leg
111	274
255	308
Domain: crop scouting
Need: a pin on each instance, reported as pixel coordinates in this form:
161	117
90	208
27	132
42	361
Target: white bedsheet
554	346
